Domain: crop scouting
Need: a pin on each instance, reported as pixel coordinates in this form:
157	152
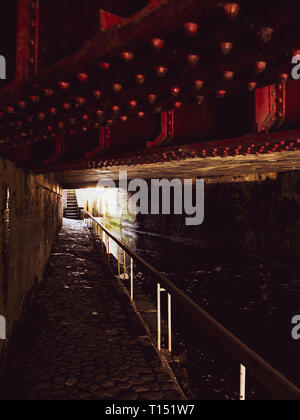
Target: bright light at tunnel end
155	197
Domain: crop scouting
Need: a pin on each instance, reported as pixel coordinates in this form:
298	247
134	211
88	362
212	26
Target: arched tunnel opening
149	200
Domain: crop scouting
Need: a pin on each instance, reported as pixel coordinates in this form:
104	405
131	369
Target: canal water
254	298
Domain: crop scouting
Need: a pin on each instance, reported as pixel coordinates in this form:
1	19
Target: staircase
71	211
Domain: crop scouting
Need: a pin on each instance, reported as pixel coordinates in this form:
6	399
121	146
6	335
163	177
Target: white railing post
242	383
159	290
170	321
158	317
131	279
119	268
125	268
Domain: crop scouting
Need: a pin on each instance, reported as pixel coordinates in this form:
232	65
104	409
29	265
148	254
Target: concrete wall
258	214
28	228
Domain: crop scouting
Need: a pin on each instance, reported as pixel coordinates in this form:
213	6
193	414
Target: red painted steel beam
270	103
169	17
162	45
167	130
23	38
124	8
103	145
36	35
265	107
60	150
107	20
23	45
27	33
255	144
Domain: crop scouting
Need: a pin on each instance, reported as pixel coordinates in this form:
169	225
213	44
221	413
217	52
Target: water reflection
249	296
128	237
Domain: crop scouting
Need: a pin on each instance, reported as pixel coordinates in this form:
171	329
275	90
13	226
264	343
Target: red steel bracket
35	34
281	103
270	107
107	20
167	130
60	150
103	145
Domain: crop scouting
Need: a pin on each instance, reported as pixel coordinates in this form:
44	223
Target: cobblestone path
86	342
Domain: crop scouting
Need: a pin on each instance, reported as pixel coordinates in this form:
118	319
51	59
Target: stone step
72	210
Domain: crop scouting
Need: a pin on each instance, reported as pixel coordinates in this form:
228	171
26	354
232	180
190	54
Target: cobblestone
86	342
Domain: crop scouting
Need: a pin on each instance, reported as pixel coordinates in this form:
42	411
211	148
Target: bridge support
167	130
103	144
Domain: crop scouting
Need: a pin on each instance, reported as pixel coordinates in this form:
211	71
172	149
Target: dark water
255	299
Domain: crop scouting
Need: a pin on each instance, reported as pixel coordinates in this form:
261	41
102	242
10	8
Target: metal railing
273	381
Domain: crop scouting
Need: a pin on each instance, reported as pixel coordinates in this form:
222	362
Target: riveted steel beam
167	130
103	144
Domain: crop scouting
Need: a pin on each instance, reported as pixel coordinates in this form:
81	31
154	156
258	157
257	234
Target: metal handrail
277	384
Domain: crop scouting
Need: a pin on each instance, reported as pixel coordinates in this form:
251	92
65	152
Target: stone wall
257	213
30	216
